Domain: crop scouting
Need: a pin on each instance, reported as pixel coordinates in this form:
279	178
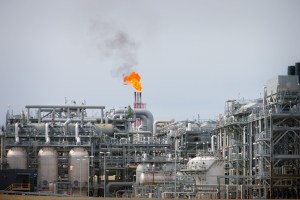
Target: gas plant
251	151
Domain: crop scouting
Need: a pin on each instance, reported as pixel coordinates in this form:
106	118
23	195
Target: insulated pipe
64	120
213	143
82	116
68	121
244	150
220	140
77	133
53	115
140	132
117	184
17	132
118	116
265	97
124	134
47	138
65	106
140	126
2	147
146	116
102	115
116	130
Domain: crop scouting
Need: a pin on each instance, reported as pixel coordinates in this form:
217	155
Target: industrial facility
251	151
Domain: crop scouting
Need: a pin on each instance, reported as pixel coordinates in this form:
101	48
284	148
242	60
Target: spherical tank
17	158
47	166
78	167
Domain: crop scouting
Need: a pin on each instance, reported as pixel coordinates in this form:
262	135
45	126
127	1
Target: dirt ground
28	197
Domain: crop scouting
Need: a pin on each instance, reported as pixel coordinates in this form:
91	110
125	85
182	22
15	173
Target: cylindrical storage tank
150	174
17	158
141	168
189	127
291	70
164	174
47	169
104	129
40	127
78	170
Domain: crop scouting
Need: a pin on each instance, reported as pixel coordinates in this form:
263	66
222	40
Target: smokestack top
138	101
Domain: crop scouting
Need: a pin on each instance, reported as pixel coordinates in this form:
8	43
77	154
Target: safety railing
18	186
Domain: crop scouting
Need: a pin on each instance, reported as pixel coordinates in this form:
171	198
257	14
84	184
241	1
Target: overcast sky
192	56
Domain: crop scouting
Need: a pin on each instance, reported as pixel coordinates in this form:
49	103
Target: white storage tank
78	170
104	128
47	169
17	158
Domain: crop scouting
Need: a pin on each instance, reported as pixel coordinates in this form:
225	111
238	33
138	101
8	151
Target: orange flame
134	79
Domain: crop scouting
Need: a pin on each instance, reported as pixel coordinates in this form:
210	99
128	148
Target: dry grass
28	197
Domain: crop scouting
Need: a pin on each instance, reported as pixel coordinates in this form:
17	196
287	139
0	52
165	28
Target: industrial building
251	151
260	142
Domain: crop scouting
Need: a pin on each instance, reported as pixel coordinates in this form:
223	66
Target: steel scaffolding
259	141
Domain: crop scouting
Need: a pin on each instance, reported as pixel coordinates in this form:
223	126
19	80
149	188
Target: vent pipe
47	138
17	132
214	140
77	133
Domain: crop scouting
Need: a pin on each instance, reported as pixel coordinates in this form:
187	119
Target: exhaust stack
138	101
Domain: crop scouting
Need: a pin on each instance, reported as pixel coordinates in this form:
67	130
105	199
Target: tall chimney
138	104
134	103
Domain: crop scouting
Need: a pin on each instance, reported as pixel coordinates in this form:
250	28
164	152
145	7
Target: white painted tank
17	158
78	167
209	169
47	168
151	174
